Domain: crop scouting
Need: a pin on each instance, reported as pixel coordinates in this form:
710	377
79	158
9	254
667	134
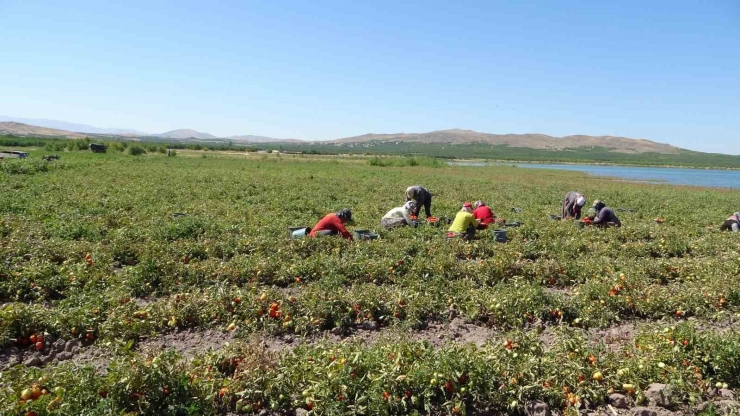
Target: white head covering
409	205
581	201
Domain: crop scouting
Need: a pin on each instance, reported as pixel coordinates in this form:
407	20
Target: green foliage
95	252
136	150
521	154
406	162
27	166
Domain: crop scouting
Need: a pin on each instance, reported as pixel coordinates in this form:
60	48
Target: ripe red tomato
32	338
39	346
449	387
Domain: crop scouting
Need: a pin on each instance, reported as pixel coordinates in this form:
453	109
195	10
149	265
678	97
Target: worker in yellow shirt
464	224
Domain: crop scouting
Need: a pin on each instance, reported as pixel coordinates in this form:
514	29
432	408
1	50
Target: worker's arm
341	228
598	217
578	212
406	216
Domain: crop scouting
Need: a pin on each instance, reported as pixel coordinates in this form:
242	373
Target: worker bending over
399	216
605	215
464	224
483	215
732	223
420	196
333	224
572	205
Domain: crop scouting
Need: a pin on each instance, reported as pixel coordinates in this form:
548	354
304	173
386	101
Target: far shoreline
585	163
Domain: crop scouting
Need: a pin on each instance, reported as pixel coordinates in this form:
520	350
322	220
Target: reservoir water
675	176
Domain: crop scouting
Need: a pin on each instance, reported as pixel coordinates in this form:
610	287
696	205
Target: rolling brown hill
535	141
453	136
20	129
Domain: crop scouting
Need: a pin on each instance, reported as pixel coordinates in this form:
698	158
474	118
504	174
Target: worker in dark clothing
333	224
605	215
732	223
572	205
420	196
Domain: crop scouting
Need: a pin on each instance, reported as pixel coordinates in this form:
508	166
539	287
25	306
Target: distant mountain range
185	134
20	129
56	128
74	127
453	137
534	141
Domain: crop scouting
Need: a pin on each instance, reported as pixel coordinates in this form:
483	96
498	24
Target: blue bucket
500	236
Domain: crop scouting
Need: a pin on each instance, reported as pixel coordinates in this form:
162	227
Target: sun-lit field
112	304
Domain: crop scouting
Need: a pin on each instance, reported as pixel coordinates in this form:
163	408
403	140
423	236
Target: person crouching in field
483	215
333	224
464	224
399	216
572	205
732	223
420	196
605	215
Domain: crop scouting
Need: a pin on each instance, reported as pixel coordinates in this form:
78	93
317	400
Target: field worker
399	216
483	215
333	224
605	215
464	223
572	205
732	223
420	196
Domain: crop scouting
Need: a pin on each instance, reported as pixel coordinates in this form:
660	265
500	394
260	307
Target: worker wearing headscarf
732	223
333	224
605	215
399	216
464	224
421	197
572	205
483	214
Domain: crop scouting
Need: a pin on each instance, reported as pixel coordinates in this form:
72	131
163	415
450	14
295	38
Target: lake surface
674	176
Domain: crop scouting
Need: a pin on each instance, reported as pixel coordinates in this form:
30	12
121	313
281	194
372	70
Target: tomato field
108	262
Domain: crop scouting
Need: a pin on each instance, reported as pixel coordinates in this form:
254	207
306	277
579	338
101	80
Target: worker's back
462	221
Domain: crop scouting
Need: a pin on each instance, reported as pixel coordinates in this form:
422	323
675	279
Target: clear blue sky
663	70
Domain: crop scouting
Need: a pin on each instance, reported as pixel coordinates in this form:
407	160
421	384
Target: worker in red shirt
333	224
483	214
